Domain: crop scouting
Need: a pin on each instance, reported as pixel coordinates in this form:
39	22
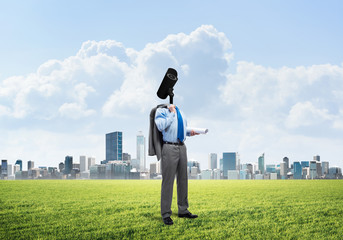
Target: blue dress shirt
166	122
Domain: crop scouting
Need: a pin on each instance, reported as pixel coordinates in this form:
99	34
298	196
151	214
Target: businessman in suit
173	125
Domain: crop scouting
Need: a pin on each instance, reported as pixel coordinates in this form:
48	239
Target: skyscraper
61	166
83	164
229	162
212	161
283	170
20	163
91	162
68	164
9	170
316	158
3	168
191	164
325	168
305	164
126	157
297	170
261	163
30	165
286	160
141	156
313	169
114	146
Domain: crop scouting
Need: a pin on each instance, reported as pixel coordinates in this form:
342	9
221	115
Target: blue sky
263	76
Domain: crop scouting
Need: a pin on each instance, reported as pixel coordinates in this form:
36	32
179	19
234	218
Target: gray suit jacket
155	136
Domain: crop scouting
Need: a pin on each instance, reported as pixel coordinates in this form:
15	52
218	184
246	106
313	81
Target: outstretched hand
193	133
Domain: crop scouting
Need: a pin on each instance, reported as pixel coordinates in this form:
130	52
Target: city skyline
263	77
229	169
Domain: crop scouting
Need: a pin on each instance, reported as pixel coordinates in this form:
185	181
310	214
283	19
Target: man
172	123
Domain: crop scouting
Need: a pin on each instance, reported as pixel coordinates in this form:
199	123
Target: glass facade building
68	164
20	163
313	169
141	153
270	168
286	160
261	163
305	164
114	146
229	162
212	161
30	164
298	170
3	168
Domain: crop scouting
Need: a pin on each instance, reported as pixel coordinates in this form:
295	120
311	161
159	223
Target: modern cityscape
120	165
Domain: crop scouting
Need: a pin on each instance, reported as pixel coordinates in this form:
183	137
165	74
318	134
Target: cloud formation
290	97
107	87
106	78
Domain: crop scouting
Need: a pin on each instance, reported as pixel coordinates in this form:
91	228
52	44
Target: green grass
130	209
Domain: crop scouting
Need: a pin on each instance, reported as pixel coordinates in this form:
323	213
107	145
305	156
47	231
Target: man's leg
170	157
182	182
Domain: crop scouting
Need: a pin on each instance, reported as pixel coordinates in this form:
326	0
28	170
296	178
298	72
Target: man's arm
164	117
190	132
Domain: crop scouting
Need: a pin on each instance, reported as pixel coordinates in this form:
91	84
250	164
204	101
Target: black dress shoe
168	221
188	215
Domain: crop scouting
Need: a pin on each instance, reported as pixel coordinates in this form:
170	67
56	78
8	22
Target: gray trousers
174	162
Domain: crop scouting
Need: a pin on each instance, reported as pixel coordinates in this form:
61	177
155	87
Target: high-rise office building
286	160
20	163
261	163
335	173
316	158
212	161
141	153
9	170
61	166
135	164
16	168
4	168
297	170
114	146
250	168
76	166
126	157
305	164
313	169
68	164
83	164
153	168
194	172
117	170
30	165
270	168
319	169
91	162
283	170
229	162
325	168
191	164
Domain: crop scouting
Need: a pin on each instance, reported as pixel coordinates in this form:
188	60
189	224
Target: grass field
130	209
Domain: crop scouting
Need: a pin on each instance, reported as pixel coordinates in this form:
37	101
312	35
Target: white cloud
4	111
107	87
300	96
305	114
118	79
75	110
338	123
